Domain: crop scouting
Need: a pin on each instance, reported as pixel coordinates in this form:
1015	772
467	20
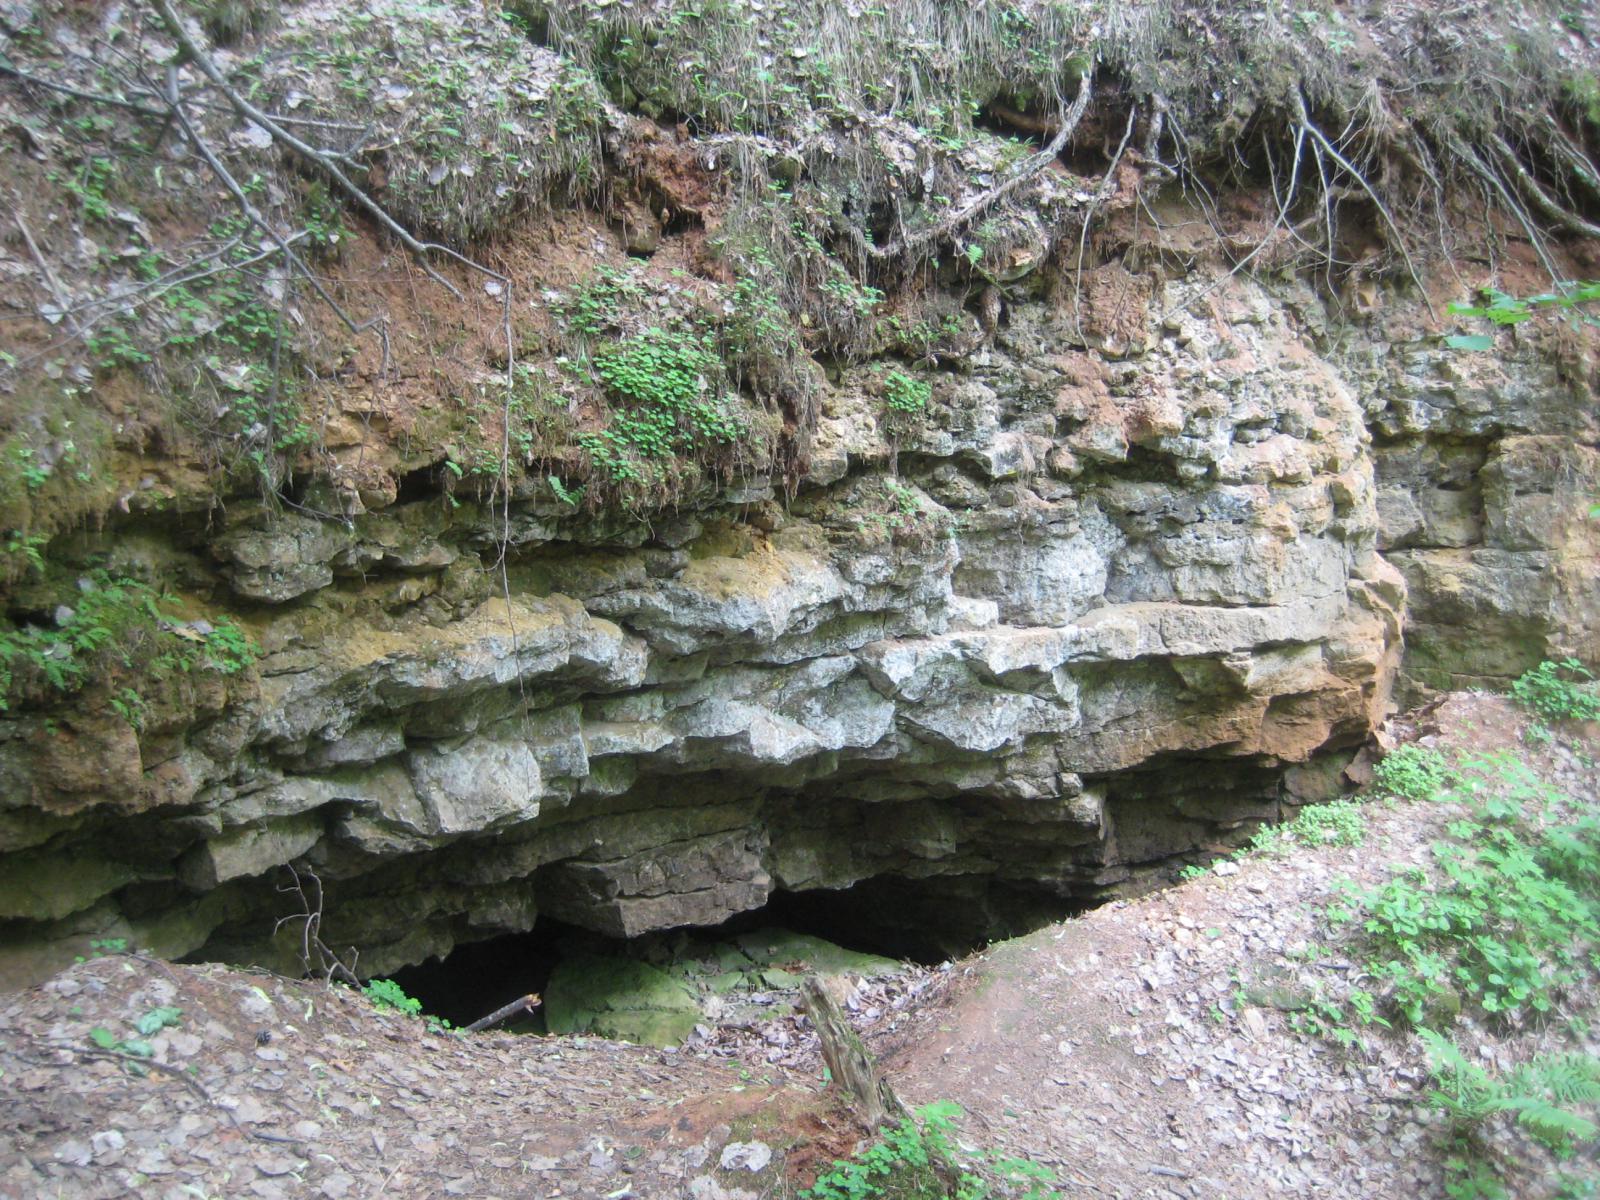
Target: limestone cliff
1005	584
1098	608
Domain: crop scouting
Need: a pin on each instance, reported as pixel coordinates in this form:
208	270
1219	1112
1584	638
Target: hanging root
1563	217
913	243
1325	146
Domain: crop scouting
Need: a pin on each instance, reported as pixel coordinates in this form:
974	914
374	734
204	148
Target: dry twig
329	964
520	1005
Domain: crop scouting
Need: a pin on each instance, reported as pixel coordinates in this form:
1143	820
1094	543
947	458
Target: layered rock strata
1114	596
1488	466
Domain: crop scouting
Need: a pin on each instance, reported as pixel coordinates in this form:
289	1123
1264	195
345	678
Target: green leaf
158	1019
1469	341
138	1049
102	1037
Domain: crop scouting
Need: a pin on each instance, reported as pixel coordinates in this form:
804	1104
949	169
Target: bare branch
1535	192
1332	151
1101	193
521	1004
328	164
1282	218
225	177
204	64
985	200
93	97
49	275
1515	207
329	964
147	293
172	1070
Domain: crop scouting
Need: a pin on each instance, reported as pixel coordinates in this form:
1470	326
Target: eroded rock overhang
1119	605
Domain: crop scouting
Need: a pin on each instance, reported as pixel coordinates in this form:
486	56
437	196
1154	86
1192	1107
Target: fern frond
1549	1124
1444	1054
1568	1078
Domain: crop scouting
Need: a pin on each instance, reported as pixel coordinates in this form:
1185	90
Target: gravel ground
271	1088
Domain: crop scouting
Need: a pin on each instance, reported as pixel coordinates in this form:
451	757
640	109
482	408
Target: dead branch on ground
521	1004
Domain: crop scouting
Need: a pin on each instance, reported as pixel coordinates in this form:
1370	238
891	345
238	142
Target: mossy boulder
753	977
804	954
619	998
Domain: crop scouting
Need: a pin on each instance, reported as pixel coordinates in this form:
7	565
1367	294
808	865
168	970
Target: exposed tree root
909	244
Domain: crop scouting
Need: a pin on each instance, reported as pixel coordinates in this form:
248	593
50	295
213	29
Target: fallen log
521	1004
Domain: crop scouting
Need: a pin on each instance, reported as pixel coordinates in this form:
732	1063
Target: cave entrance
872	926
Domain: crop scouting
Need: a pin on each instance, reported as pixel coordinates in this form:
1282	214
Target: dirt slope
1145	1049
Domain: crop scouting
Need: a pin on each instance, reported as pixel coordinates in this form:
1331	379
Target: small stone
247	1111
74	1153
752	1156
153	1162
695	1156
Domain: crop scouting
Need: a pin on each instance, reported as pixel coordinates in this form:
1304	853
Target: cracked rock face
1486	467
1110	606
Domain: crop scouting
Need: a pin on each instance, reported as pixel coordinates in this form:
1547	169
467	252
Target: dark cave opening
920	921
478	977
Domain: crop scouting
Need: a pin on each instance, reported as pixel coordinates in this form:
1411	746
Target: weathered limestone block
354	678
1078	617
79	763
1430	495
1481	481
475	787
289	558
359	746
45	887
758	597
743	716
1519	589
249	851
699	882
381	813
1040	563
1536	495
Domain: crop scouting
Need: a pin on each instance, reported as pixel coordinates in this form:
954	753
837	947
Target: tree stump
848	1062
